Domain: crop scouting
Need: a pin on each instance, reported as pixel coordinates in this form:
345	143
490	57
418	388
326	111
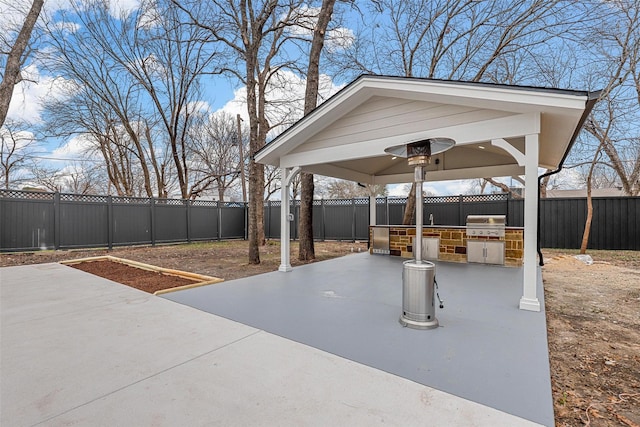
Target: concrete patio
317	346
485	350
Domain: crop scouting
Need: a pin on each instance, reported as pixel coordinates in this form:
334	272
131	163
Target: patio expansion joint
149	377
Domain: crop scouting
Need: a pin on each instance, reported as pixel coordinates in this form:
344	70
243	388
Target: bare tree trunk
162	193
221	189
587	224
141	156
544	184
254	33
307	249
14	59
409	217
504	187
256	188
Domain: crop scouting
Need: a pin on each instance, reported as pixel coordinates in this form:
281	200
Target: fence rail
37	220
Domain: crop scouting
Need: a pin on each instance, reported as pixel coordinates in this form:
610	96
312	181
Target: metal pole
417	247
244	187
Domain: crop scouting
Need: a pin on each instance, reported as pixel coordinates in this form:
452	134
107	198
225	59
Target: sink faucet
431	218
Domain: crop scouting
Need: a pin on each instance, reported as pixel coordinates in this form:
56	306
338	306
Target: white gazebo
499	130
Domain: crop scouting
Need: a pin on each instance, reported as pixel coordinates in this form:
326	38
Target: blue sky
221	93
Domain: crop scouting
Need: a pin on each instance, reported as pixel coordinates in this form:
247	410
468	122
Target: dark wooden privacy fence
615	224
37	220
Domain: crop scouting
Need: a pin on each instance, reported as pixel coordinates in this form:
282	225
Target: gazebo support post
286	176
529	300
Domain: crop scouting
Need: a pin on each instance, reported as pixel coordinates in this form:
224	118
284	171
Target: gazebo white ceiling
500	130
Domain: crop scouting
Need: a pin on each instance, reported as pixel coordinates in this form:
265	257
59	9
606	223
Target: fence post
297	219
56	220
152	200
246	220
386	210
269	219
322	213
188	221
353	220
110	222
460	198
219	211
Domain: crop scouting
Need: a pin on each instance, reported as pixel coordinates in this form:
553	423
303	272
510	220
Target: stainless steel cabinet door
494	252
485	252
475	251
430	248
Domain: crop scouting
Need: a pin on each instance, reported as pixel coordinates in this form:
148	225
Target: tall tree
15	57
306	247
341	189
16	148
587	225
141	71
613	123
255	34
216	146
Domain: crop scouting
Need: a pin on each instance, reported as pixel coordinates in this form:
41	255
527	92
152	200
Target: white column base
285	268
529	304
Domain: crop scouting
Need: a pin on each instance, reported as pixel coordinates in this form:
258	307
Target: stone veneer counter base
453	242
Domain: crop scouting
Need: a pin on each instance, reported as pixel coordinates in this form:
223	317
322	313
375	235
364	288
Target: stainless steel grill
486	225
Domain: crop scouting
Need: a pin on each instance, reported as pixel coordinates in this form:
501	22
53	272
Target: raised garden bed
145	277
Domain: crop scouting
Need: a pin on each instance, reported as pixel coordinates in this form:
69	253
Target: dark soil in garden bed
145	280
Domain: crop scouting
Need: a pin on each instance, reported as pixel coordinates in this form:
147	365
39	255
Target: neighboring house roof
345	137
595	192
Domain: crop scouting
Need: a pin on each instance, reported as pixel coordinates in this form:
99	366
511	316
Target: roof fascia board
315	121
470	133
450	92
482	84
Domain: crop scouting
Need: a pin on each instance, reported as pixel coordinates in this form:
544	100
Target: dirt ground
593	322
593	315
226	259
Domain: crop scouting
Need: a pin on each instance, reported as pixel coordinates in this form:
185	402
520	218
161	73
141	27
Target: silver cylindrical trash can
418	308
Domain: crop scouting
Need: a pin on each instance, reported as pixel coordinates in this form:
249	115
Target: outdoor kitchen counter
452	245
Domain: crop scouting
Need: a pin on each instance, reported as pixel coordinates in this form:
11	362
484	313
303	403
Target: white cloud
397	190
237	105
198	106
66	27
26	102
568	179
285	95
150	18
118	8
78	147
18	139
450	188
335	39
12	15
432	188
340	38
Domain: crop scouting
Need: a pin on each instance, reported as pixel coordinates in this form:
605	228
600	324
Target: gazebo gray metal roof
500	130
